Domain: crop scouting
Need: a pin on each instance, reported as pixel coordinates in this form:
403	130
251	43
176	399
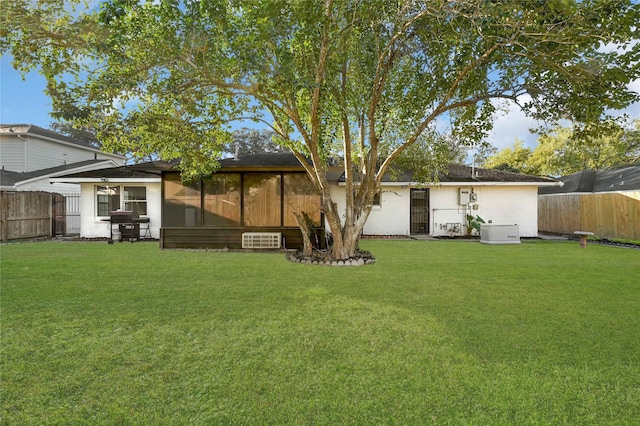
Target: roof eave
105	180
462	183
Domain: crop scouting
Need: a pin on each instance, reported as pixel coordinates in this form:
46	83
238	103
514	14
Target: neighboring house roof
30	129
9	180
616	179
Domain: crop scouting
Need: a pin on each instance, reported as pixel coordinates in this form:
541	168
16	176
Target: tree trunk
345	236
303	223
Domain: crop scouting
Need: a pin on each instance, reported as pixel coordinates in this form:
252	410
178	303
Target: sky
24	102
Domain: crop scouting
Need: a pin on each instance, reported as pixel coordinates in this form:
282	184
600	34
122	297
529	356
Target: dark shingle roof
142	170
617	179
462	173
9	178
267	159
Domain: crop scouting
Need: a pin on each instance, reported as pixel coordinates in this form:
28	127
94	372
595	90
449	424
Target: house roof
459	173
142	172
267	159
9	178
30	129
608	180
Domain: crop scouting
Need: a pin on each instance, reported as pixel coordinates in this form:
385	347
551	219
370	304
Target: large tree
377	76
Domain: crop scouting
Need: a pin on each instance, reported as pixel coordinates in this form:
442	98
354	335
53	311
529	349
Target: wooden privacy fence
31	215
608	215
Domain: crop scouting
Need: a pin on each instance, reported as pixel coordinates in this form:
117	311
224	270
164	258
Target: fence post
4	226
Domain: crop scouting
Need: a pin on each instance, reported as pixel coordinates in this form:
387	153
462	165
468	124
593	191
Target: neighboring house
405	207
128	188
605	202
30	155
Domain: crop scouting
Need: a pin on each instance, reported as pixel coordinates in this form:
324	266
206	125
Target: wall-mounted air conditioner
499	234
261	240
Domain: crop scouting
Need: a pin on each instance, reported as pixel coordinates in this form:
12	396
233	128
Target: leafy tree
375	76
251	141
512	159
67	129
562	151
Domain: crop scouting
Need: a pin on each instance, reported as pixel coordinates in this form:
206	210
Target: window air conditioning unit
261	240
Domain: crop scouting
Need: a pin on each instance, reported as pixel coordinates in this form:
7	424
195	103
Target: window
135	199
108	199
300	195
262	200
377	199
222	200
181	202
129	198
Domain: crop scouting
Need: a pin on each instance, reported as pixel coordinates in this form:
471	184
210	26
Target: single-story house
253	198
605	202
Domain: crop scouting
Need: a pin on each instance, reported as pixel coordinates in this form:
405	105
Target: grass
443	332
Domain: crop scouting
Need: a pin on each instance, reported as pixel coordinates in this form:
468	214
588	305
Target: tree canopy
374	76
562	151
251	141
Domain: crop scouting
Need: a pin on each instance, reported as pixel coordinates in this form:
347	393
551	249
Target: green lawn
442	332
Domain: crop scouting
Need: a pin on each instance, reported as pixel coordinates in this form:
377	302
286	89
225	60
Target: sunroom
248	203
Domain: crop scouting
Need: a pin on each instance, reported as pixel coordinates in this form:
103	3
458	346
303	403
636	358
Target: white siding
92	227
39	153
12	153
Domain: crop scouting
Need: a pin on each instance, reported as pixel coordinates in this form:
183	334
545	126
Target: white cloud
510	123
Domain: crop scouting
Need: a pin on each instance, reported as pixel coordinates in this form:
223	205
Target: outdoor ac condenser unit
261	240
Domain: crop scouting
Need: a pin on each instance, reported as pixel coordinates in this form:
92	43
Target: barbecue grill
128	224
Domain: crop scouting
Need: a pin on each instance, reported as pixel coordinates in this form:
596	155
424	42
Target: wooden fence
31	215
608	215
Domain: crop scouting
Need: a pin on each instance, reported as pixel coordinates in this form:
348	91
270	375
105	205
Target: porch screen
222	200
300	196
262	202
181	202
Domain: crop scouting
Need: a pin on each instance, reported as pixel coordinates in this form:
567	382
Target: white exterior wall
502	204
392	216
511	205
92	227
447	216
